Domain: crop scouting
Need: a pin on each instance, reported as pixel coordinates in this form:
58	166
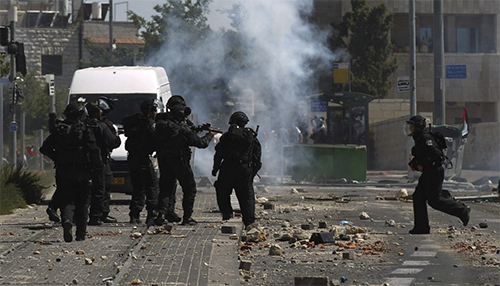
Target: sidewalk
33	252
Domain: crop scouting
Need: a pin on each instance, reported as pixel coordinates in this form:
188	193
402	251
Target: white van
127	87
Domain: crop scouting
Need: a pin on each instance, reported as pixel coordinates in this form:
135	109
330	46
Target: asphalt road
375	250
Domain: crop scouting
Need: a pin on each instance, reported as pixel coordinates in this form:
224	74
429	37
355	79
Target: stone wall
48	41
388	145
483	147
384	109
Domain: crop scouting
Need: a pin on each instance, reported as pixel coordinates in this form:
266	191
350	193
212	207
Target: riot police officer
107	139
140	132
174	140
74	151
238	157
428	158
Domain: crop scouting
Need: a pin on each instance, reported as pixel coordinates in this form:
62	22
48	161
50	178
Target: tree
102	57
180	39
36	102
367	29
176	17
4	65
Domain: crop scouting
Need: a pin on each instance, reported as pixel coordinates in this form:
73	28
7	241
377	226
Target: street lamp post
118	3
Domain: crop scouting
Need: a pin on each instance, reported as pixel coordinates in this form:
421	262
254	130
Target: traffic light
21	59
4	36
13	48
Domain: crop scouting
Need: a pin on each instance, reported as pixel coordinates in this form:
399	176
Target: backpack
76	145
241	141
132	125
441	143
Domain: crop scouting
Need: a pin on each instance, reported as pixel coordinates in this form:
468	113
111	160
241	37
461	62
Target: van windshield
124	104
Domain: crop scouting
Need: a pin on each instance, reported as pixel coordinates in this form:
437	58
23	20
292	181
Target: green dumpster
324	163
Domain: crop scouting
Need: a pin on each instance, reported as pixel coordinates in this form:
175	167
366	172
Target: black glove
214	172
413	164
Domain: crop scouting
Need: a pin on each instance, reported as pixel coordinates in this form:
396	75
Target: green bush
11	198
28	182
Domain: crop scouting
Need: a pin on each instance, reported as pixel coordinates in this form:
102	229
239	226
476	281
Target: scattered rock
364	216
483	225
285	224
390	223
275	249
136	235
403	193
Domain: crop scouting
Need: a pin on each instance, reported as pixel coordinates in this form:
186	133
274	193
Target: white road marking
424	254
430	246
394	281
416	263
407	271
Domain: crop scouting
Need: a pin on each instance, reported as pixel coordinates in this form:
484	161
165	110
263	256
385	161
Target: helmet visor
407	129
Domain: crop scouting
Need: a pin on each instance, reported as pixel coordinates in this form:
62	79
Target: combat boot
465	216
95	221
67	231
108	219
53	216
189	221
173	217
150	219
160	219
420	231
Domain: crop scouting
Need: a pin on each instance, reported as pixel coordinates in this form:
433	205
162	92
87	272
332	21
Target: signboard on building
456	71
318	106
341	73
13	126
403	84
49	78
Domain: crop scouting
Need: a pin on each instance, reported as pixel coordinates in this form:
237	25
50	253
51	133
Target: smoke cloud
284	55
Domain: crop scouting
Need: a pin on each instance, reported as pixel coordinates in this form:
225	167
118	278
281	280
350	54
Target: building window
52	64
467	40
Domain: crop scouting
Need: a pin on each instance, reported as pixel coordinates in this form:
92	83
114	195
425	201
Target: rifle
53	121
206	127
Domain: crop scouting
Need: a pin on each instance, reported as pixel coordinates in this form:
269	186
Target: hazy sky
144	8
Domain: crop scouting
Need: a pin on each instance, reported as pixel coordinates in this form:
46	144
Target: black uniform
107	140
74	151
174	139
238	157
430	157
140	144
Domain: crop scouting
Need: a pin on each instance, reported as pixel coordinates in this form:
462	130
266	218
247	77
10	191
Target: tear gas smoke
283	55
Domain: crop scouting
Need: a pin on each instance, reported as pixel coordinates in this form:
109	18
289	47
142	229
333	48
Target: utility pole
13	124
438	45
413	63
2	80
111	41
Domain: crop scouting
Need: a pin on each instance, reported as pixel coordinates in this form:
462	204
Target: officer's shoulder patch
429	142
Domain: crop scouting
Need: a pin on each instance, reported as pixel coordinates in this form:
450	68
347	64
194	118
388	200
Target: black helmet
178	111
96	105
239	118
417	121
111	104
175	100
75	110
148	106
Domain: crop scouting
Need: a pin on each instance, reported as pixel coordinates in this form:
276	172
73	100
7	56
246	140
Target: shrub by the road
28	183
10	198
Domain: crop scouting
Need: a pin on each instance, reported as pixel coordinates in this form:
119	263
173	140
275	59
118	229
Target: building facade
59	39
472	58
